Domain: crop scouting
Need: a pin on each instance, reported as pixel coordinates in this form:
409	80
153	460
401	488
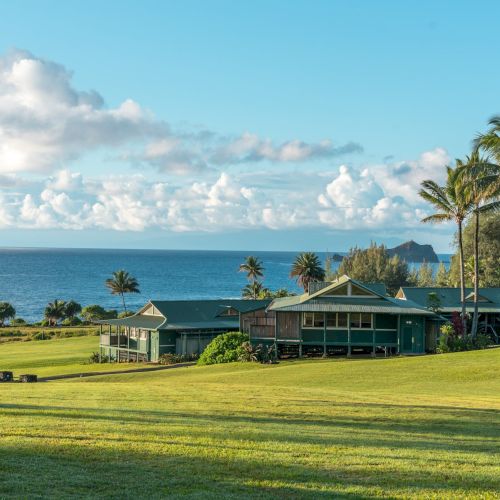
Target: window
359	291
313	320
366	320
331	320
341	290
133	333
144	334
342	320
229	312
361	320
308	319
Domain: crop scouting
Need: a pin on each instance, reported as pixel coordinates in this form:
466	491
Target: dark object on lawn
28	378
6	376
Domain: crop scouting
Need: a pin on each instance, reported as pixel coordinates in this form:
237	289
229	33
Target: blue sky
263	125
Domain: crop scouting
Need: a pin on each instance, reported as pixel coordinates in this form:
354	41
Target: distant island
413	252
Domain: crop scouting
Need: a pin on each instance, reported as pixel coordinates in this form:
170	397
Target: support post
324	335
275	335
349	335
374	326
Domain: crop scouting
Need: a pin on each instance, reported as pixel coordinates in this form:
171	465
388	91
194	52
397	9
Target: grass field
54	357
424	427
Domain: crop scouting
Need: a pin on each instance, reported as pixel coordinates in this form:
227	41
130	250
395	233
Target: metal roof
136	321
450	298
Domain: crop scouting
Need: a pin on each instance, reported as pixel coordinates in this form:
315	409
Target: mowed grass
54	357
425	427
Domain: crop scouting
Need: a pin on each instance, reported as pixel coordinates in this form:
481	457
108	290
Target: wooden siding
259	324
287	325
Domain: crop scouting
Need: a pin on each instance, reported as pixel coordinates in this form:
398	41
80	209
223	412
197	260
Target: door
412	335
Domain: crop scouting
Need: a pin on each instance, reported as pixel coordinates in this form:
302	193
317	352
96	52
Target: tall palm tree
452	204
121	283
55	311
490	141
72	308
307	268
481	179
253	267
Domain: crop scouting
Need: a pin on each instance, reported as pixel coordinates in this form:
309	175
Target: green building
173	326
344	316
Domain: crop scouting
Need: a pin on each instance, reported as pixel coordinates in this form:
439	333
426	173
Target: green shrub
257	354
103	358
482	341
172	359
74	321
224	348
18	322
43	335
11	333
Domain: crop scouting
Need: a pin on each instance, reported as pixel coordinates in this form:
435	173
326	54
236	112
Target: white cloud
45	122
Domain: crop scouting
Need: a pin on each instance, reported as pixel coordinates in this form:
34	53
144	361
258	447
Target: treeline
375	265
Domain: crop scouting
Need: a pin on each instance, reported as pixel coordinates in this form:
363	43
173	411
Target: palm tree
452	204
72	308
307	268
490	141
121	283
55	311
481	179
253	267
255	290
7	312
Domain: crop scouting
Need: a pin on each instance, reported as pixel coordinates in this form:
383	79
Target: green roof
450	298
318	302
137	321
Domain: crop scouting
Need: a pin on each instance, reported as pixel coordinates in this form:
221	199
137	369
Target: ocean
30	278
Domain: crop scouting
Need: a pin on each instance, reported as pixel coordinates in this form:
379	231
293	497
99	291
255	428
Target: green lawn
54	357
425	427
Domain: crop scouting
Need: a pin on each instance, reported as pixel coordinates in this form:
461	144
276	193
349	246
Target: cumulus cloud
45	122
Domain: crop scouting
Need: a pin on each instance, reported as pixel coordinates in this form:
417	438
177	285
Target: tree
482	187
121	283
452	204
307	268
254	290
433	302
373	265
72	309
425	275
253	267
489	257
490	141
55	311
7	312
442	276
95	312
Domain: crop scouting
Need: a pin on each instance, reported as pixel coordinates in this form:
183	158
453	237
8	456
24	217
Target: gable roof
318	302
190	314
489	298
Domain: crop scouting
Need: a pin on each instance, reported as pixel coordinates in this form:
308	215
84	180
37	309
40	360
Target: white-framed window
361	320
133	333
313	320
336	320
143	334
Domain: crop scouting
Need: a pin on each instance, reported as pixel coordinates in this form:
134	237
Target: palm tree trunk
123	300
462	277
475	319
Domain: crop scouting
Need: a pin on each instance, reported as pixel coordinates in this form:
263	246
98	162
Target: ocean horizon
32	277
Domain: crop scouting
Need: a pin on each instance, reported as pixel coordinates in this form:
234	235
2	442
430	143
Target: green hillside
424	427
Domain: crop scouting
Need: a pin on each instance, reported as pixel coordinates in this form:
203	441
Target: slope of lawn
54	357
424	427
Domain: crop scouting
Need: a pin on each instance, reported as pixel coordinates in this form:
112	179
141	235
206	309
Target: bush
103	358
74	321
125	314
41	335
224	348
257	354
18	322
172	359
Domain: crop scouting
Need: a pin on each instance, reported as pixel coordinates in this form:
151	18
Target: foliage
224	348
442	276
125	314
489	142
7	312
121	283
18	322
55	312
307	268
72	321
257	354
458	324
489	257
95	357
173	359
252	267
433	302
254	290
449	341
96	312
445	332
373	265
425	275
72	309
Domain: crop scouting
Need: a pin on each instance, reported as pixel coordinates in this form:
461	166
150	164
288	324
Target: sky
266	125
